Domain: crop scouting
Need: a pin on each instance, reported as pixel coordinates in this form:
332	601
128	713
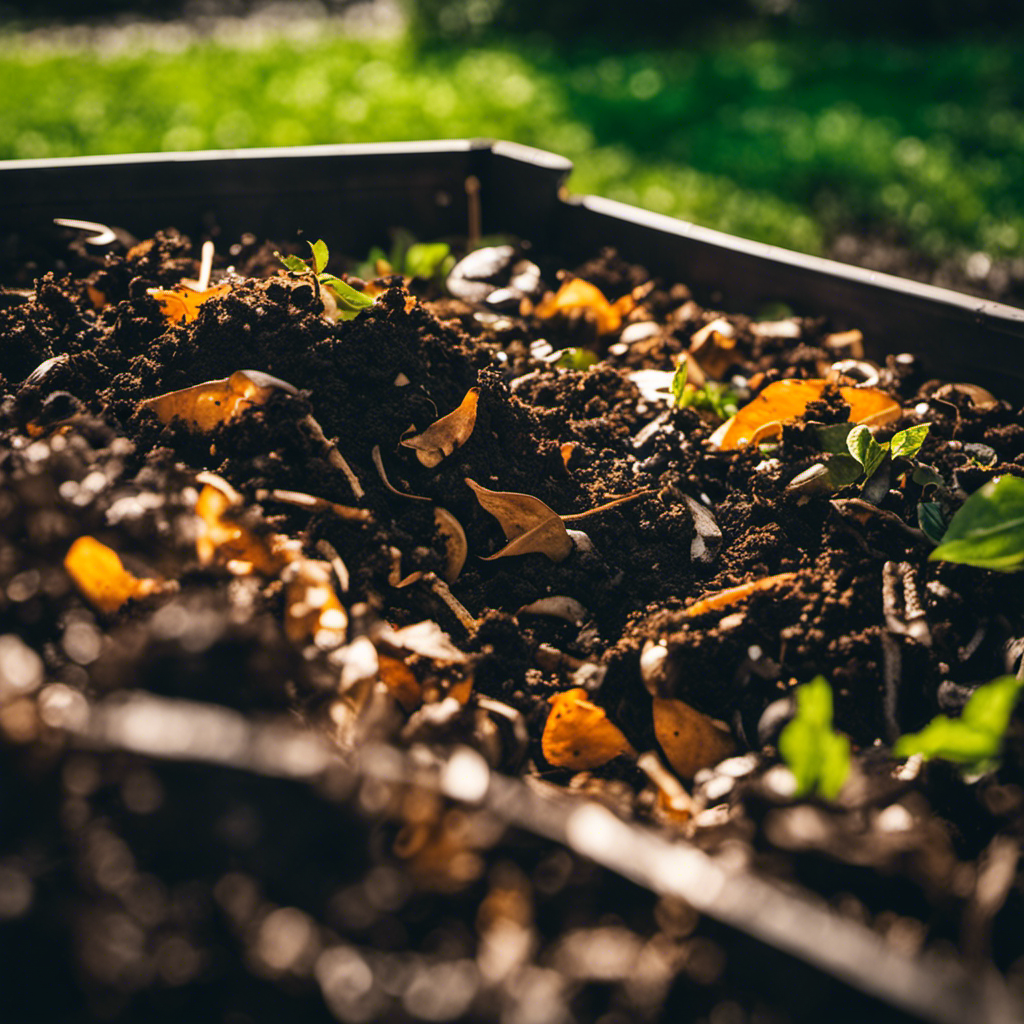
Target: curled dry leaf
441	438
578	734
206	405
787	399
99	574
691	740
582	295
529	525
312	609
733	595
456	545
980	397
713	349
179	304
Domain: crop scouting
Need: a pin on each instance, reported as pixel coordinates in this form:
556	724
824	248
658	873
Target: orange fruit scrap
733	595
99	574
580	294
205	406
578	734
220	538
182	304
690	739
786	400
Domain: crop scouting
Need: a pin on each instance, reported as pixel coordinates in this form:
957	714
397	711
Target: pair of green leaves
349	301
712	396
815	753
974	739
988	529
856	455
869	453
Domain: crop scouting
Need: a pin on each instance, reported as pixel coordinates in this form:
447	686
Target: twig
334	457
310	501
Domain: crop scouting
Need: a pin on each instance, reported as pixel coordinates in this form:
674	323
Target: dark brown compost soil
139	888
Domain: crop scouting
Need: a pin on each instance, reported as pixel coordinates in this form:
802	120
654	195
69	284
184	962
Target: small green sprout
815	753
988	530
409	258
855	456
975	739
579	359
350	302
713	397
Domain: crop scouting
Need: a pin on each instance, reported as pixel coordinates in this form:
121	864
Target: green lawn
787	141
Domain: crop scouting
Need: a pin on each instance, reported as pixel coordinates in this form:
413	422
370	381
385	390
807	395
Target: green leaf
990	706
988	530
579	359
320	255
976	737
865	449
679	382
833	437
931	520
424	259
294	263
843	470
907	443
816	754
348	299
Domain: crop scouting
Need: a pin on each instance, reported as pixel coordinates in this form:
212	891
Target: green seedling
855	456
579	359
713	397
350	302
988	530
975	739
409	258
817	755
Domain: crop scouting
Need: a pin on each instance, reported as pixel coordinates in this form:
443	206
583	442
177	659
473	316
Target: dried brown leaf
691	740
442	437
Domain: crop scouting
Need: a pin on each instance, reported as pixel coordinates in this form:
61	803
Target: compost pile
475	518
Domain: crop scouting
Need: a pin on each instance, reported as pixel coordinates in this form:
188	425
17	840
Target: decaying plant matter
727	577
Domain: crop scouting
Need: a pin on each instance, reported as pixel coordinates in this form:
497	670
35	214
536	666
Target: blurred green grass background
792	137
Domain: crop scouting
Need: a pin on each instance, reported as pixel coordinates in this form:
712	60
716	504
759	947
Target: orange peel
182	304
786	400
